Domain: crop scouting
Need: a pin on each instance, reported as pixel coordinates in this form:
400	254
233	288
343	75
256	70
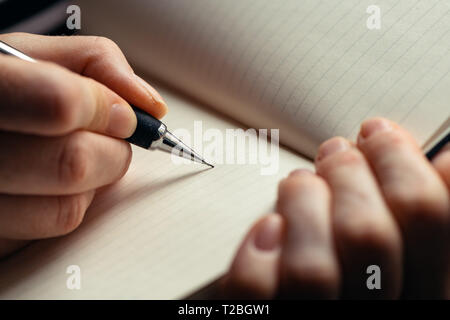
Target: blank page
162	232
310	67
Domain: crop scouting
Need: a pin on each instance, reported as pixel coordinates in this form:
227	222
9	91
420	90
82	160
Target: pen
430	154
150	133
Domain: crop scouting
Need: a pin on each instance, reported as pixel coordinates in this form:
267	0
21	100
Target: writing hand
60	120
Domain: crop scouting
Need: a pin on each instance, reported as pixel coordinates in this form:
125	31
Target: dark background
16	12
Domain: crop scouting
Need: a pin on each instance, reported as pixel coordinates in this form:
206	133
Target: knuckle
392	139
314	278
243	284
419	203
63	115
73	163
104	45
60	100
369	236
348	159
304	185
70	213
295	184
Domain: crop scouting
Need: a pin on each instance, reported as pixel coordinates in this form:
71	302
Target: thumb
254	271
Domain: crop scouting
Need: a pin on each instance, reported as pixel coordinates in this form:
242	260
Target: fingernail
158	100
372	126
332	146
268	233
122	121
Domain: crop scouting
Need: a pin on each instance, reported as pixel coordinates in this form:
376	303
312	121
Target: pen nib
172	144
208	164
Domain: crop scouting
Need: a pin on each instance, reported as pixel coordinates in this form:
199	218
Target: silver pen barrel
169	143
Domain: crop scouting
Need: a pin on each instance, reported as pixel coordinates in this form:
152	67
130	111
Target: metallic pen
150	133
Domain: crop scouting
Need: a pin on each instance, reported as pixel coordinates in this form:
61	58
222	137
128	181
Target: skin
377	201
62	131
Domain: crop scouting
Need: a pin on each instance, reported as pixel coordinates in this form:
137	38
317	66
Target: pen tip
208	164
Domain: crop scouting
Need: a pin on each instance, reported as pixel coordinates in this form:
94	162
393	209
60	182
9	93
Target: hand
59	124
379	202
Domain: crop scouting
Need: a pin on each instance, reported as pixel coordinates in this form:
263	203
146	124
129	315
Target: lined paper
311	68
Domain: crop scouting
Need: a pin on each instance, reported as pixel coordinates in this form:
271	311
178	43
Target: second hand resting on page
374	202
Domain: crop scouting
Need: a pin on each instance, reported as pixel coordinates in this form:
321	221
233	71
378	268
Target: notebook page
311	67
162	232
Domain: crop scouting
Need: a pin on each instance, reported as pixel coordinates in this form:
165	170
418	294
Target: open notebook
311	68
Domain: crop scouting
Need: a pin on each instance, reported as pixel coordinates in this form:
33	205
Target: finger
441	163
418	199
365	232
35	217
254	272
71	164
46	99
94	57
309	266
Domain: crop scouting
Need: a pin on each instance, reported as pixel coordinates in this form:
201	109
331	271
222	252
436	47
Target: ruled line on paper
302	59
383	73
409	88
249	45
308	115
288	54
274	35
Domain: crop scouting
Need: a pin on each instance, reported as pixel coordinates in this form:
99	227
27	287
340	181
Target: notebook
312	69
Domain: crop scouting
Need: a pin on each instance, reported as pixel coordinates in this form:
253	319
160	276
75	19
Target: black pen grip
146	129
438	147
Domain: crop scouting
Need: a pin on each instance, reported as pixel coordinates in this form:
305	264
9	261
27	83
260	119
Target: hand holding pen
59	127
